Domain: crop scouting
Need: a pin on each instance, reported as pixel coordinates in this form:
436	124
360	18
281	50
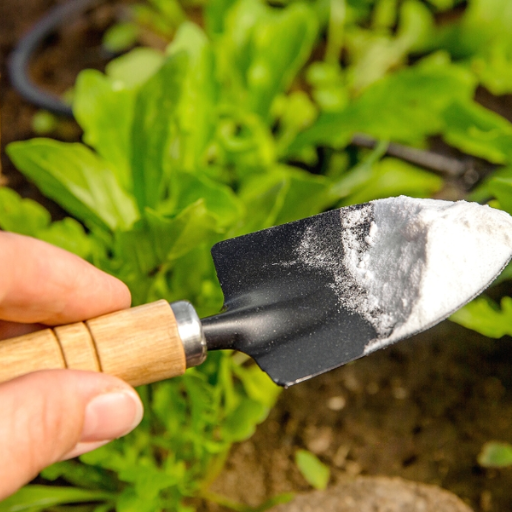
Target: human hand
53	415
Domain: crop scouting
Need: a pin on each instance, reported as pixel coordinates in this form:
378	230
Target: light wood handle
140	345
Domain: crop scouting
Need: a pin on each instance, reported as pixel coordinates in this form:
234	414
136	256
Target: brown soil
420	410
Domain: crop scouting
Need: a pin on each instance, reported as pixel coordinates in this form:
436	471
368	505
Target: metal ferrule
191	332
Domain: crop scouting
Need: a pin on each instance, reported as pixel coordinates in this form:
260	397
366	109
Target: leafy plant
495	455
486	317
315	472
238	126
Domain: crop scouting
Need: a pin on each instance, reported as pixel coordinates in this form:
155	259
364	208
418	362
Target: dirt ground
420	410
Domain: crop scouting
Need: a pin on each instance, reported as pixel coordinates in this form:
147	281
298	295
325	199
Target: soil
420	410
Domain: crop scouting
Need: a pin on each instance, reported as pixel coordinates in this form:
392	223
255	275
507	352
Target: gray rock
376	494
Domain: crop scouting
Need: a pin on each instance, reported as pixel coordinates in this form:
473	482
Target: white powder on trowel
427	258
409	263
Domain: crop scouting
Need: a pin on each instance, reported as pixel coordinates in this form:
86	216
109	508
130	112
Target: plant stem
338	11
451	167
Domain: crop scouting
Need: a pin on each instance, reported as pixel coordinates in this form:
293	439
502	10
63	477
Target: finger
45	284
56	414
13	329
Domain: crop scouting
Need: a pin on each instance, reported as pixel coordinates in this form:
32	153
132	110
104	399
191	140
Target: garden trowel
301	298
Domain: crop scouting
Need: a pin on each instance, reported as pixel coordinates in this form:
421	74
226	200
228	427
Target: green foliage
78	179
37	498
475	130
486	317
315	472
234	128
386	178
120	37
501	188
29	218
44	122
495	455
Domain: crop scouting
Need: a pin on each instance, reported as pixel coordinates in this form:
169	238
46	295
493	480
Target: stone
376	494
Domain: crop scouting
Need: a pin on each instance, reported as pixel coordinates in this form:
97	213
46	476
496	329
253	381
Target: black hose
19	60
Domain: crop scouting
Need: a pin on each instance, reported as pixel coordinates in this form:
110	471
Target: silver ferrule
190	331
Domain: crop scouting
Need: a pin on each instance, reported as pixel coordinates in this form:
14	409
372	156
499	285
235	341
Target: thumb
53	415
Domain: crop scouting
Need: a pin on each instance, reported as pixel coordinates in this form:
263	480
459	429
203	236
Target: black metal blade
280	307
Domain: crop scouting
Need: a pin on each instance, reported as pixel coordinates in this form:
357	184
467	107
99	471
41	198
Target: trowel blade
306	297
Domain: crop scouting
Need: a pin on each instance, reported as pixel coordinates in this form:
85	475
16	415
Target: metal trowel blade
296	302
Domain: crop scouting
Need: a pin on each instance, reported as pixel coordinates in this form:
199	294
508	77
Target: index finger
40	283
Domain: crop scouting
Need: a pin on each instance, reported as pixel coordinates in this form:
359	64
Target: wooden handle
140	345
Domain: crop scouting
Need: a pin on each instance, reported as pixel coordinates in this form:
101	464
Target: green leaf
494	68
120	37
29	218
283	195
298	112
69	234
501	188
156	239
197	111
169	404
374	52
162	17
403	107
495	455
22	216
307	195
77	179
277	59
263	197
245	144
484	316
478	131
482	193
258	385
130	501
104	109
149	482
315	472
485	22
105	507
107	457
215	15
155	108
219	200
134	68
204	409
193	226
336	28
360	175
241	423
261	62
392	177
35	498
44	122
194	279
330	90
81	475
506	275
